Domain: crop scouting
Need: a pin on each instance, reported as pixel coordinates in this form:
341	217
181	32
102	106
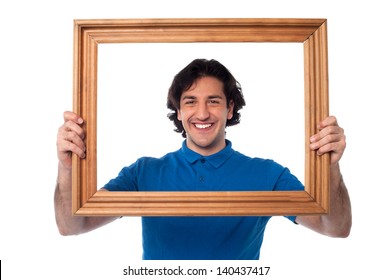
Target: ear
230	110
178	115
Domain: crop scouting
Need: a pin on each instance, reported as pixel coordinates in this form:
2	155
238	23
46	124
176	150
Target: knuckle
329	138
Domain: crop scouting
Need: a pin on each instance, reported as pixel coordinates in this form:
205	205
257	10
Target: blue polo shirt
204	237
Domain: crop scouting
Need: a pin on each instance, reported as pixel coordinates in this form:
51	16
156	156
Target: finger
66	137
329	121
335	149
71	126
75	139
70	116
66	147
329	130
332	142
326	149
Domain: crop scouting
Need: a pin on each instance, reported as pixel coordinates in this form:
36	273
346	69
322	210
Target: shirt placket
201	173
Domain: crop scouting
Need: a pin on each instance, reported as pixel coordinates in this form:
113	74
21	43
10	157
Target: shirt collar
215	160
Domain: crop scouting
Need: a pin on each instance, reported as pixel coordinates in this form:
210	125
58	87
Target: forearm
67	223
339	220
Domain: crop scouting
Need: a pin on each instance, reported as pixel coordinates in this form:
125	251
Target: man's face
204	114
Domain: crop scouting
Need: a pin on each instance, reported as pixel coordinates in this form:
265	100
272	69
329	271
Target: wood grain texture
88	34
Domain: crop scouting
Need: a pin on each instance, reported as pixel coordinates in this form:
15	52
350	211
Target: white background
36	87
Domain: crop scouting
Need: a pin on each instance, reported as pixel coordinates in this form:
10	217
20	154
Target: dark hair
199	68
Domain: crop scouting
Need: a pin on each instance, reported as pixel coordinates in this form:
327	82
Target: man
204	98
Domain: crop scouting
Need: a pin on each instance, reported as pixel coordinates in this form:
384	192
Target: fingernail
80	120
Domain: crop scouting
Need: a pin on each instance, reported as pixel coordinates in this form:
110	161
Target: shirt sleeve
125	181
288	182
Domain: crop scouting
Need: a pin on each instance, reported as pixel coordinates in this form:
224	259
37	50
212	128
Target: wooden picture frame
89	34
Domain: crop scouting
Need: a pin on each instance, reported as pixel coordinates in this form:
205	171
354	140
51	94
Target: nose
202	112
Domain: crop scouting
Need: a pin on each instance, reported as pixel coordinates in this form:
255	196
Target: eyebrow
194	97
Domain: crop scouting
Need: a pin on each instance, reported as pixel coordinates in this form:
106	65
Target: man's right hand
70	139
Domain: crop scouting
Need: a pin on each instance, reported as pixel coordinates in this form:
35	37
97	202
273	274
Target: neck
205	150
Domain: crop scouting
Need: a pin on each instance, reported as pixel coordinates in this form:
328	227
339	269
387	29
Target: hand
70	138
330	138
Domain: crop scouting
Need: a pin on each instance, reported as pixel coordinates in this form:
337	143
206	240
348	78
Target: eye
189	102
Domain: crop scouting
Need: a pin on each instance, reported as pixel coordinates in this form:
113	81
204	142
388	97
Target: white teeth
203	125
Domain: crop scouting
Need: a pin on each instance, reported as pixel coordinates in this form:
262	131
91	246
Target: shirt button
202	179
202	160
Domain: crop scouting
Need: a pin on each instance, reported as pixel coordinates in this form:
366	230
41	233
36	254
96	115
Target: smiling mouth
202	126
